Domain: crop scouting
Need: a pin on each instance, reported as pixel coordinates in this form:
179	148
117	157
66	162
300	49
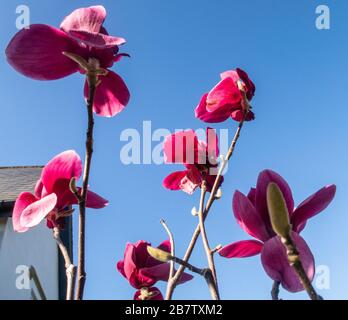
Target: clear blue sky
178	49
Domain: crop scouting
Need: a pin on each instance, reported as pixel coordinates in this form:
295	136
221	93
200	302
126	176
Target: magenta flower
52	194
38	53
229	98
199	158
252	215
143	271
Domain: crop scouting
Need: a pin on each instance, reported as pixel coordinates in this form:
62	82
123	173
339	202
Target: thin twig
69	267
206	273
210	202
275	290
210	256
81	273
172	250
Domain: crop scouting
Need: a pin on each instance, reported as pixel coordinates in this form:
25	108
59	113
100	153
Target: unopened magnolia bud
159	254
218	194
278	211
72	185
194	211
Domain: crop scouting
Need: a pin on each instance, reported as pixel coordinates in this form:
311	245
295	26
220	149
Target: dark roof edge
22	167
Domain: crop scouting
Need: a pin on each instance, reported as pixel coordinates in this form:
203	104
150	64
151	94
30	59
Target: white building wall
35	247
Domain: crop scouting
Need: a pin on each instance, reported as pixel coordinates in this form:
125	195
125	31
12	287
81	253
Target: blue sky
178	50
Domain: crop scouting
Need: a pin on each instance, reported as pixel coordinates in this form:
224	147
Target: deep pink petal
88	19
39	188
95	201
141	253
248	217
173	181
111	95
160	272
224	93
238	115
37	211
219	115
181	147
312	206
248	83
24	200
238	75
120	268
276	265
165	246
37	53
129	265
158	295
192	180
264	179
67	198
64	166
95	39
241	249
252	195
230	74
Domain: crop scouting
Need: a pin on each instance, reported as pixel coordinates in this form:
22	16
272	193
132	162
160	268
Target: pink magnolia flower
199	158
52	194
229	98
143	271
38	53
252	215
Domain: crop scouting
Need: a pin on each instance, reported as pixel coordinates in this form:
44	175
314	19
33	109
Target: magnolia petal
87	19
310	207
238	75
241	249
95	39
39	188
248	217
37	211
165	246
224	93
95	201
111	95
37	53
250	87
129	266
181	147
24	200
238	115
252	195
160	272
219	115
276	265
191	181
120	268
65	166
173	181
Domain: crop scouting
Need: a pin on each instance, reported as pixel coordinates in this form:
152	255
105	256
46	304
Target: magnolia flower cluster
44	52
